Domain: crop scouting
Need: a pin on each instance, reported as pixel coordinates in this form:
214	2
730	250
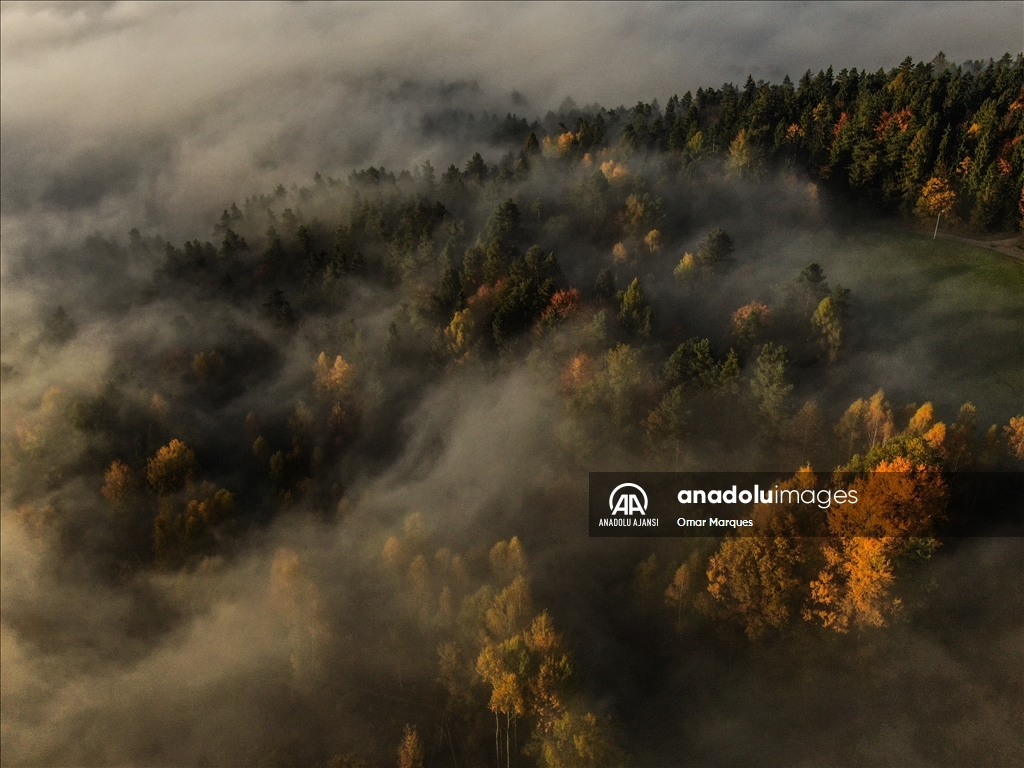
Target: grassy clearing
934	320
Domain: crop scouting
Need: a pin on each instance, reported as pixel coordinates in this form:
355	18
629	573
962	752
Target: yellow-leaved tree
171	468
332	379
897	505
937	199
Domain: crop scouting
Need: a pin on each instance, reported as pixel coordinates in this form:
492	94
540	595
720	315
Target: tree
666	424
812	284
685	269
960	438
213	506
922	420
476	167
524	295
937	199
878	420
742	153
278	309
605	288
899	498
634	312
118	485
563	305
449	297
640	210
579	741
410	751
507	560
460	332
829	328
624	377
510	611
749	323
332	379
853	590
532	148
504	224
171	467
714	250
753	579
770	386
898	504
505	666
1014	432
679	592
653	241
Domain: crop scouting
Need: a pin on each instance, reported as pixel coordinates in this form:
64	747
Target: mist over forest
311	336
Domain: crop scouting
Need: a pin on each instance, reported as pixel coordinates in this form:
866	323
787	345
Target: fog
293	638
120	114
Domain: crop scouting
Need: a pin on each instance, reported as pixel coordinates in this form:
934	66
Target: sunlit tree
171	467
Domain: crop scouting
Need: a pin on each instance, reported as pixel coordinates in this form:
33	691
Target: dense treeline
577	257
920	139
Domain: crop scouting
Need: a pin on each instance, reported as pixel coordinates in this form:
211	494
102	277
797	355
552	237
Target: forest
326	462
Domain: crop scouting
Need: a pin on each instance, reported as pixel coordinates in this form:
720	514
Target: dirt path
1012	247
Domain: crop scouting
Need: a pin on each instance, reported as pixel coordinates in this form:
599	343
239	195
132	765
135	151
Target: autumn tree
866	423
410	751
207	366
507	560
828	328
742	153
937	199
510	610
579	741
922	420
653	241
1014	432
641	210
897	498
460	333
504	667
563	305
171	467
899	502
685	270
119	485
753	579
330	379
211	506
853	590
749	323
